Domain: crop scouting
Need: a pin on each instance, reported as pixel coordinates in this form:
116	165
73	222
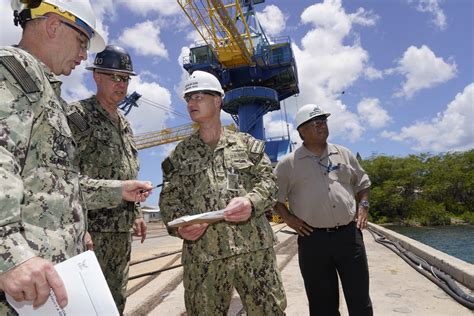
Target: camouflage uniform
197	180
40	197
106	150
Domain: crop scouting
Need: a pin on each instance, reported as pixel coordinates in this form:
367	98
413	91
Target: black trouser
322	256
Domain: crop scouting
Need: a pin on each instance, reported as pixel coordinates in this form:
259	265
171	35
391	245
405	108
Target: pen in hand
156	186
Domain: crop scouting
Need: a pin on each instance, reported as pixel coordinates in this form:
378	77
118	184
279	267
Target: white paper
211	216
87	290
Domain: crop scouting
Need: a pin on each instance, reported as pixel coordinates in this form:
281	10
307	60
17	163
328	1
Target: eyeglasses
117	78
83	36
318	121
83	39
196	96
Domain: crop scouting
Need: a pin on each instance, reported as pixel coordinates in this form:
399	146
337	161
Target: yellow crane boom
223	27
165	136
168	135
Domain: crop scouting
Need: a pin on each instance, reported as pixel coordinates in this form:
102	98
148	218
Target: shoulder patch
257	146
77	120
19	73
167	166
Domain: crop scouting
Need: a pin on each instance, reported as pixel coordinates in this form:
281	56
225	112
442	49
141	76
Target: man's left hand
362	214
139	229
239	209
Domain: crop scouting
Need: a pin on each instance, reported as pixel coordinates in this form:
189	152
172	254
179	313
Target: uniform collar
303	152
228	137
123	122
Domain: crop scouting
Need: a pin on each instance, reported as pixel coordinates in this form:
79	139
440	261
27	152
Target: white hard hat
307	112
79	12
202	81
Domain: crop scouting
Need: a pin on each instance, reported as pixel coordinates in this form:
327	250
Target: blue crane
255	71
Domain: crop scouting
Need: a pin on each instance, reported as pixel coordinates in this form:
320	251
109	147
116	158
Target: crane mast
255	72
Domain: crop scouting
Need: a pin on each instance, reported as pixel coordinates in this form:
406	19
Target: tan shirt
321	190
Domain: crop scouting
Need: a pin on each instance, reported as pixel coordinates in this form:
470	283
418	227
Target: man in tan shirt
321	182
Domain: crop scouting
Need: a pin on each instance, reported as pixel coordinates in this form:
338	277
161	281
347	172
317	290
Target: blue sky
397	75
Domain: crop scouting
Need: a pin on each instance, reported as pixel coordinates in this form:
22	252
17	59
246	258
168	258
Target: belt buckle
332	229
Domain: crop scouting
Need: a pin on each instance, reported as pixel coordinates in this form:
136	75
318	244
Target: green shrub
468	217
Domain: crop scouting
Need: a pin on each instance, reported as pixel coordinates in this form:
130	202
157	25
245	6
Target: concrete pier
395	287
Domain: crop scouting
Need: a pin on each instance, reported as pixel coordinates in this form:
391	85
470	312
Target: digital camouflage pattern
198	183
111	250
198	179
40	196
106	150
210	285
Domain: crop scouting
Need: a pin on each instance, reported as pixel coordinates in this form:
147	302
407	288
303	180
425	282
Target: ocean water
457	241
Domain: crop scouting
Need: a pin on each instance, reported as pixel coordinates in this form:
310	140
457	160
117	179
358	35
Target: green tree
424	188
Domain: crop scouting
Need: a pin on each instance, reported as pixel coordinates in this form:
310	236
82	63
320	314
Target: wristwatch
364	203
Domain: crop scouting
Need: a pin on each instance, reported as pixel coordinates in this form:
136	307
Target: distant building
151	213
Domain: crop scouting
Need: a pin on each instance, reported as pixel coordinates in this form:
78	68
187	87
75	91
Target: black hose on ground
440	278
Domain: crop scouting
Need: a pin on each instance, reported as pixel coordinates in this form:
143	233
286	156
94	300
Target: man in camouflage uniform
219	169
42	217
106	150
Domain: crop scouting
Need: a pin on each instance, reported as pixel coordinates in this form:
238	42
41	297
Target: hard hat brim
131	73
97	43
327	114
197	89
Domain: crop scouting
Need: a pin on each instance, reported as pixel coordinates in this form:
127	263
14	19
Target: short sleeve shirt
321	190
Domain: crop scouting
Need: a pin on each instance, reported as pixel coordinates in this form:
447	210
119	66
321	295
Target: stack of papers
209	217
87	291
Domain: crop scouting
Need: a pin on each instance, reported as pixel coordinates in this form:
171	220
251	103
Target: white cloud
432	6
423	70
9	33
370	111
363	17
328	63
273	21
451	130
148	117
371	73
275	127
74	87
145	7
144	39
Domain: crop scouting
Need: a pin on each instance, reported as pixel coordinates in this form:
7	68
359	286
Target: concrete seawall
395	287
460	270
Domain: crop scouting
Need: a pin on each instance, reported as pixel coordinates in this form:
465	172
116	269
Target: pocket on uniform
193	178
104	138
342	174
62	142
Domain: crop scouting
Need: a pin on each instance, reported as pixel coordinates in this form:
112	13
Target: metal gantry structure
168	135
255	71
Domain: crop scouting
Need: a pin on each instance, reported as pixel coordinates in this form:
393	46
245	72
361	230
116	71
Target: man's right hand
32	281
293	221
135	190
192	232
